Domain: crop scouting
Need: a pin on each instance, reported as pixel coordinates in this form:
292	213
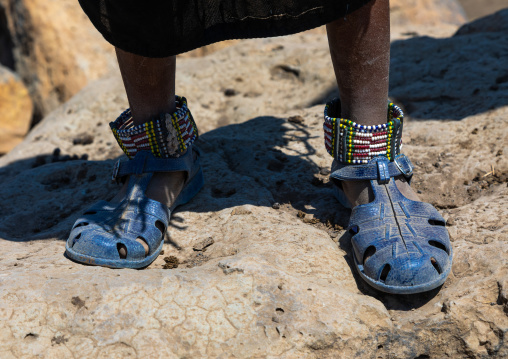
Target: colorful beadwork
352	143
167	135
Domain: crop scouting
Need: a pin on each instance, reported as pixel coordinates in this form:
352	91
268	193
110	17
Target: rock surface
478	83
278	280
476	9
16	108
56	49
427	12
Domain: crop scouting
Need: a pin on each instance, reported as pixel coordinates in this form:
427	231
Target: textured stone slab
275	283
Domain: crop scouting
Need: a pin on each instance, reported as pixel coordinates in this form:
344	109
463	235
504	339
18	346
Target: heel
190	190
341	197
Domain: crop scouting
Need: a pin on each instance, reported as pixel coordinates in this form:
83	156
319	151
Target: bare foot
164	187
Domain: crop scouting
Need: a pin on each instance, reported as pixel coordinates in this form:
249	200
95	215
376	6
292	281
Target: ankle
350	142
141	113
167	135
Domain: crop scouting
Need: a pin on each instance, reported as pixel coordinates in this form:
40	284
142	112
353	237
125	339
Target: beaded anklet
351	143
167	135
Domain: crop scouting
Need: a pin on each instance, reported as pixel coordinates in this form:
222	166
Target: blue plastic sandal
97	236
400	246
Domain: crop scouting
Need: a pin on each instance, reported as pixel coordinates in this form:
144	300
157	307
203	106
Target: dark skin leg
150	87
360	50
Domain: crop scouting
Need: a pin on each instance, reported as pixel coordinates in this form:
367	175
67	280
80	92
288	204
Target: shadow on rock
450	78
456	77
243	164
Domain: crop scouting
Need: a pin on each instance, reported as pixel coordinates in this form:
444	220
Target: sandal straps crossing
145	162
378	168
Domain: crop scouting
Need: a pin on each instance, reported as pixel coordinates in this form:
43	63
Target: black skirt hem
159	41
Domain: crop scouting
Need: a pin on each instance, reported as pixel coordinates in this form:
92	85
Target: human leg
360	50
161	174
400	244
150	87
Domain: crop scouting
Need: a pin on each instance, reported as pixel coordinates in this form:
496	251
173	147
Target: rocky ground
16	108
478	8
259	265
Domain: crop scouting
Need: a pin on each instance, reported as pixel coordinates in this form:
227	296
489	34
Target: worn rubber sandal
400	246
99	233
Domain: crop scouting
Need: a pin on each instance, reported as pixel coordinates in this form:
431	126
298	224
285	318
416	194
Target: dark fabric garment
160	28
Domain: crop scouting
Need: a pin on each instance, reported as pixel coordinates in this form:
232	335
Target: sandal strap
145	162
379	168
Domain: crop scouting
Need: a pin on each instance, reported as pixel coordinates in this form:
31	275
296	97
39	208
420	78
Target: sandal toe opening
436	265
369	252
384	273
439	245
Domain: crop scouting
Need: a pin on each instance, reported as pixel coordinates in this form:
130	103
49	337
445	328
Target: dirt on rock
171	262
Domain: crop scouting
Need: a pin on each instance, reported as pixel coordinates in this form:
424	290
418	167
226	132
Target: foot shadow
243	165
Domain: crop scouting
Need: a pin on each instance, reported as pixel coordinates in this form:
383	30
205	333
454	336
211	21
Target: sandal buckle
116	168
406	167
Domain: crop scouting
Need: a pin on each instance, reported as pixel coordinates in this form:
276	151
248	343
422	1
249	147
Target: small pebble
296	119
230	92
325	171
83	139
276	205
203	244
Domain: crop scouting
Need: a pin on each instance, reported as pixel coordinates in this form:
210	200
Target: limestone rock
271	285
56	49
426	12
476	9
465	73
497	22
16	108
